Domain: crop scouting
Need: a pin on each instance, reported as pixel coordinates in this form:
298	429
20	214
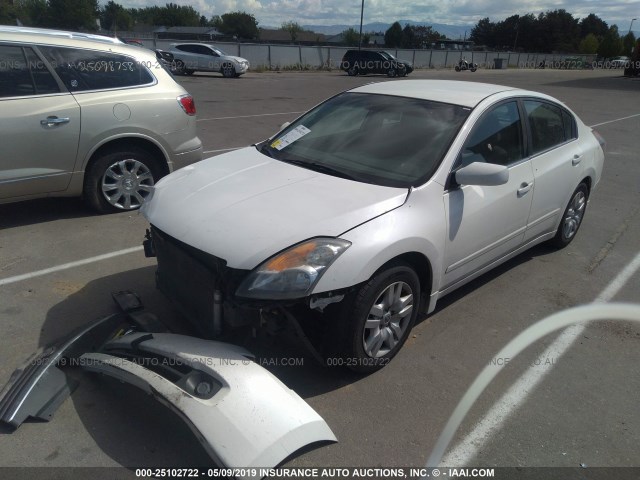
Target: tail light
188	104
600	139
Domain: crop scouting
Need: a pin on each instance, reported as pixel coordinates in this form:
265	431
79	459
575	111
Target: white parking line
495	418
616	120
249	116
65	266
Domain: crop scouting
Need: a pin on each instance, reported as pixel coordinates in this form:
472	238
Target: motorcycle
464	65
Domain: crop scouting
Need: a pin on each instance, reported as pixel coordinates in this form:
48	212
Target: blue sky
454	12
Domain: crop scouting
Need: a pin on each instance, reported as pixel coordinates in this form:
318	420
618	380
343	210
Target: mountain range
453	32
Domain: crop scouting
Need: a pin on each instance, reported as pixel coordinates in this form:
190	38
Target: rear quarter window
82	70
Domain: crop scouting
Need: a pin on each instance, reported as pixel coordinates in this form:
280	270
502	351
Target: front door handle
524	188
49	121
576	160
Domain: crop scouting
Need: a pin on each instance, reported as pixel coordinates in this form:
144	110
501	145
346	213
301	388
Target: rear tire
376	322
571	218
120	181
352	71
457	68
392	72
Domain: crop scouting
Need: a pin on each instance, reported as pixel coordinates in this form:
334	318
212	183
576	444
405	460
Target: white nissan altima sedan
362	213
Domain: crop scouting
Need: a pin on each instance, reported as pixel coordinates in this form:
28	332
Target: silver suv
88	115
192	57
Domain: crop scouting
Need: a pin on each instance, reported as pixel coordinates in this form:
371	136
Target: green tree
172	15
483	33
628	42
114	16
216	22
240	24
589	44
73	14
393	36
351	37
558	31
611	44
425	35
33	13
409	39
593	24
293	28
8	13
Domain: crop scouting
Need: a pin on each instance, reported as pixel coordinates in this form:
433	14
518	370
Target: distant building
374	40
269	35
451	45
188	33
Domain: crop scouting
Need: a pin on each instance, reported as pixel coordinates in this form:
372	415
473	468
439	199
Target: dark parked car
362	62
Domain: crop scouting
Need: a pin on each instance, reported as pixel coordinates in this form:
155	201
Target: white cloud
455	12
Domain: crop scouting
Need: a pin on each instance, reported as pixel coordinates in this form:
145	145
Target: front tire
392	72
228	71
380	317
120	181
572	217
179	67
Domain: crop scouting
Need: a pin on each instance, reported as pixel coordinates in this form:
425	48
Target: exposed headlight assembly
294	272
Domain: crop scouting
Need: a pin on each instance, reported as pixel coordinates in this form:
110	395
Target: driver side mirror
482	173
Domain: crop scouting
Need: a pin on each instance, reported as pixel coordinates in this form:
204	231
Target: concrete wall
294	56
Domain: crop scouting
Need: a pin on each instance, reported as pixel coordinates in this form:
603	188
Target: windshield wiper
265	149
319	167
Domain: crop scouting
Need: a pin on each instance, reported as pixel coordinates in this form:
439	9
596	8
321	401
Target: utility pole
361	17
630	25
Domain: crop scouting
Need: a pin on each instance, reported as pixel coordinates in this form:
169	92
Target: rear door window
549	127
83	70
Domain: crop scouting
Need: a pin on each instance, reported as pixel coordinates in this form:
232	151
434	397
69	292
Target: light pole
630	25
361	17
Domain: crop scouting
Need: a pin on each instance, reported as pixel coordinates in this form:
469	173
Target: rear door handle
524	188
576	160
53	120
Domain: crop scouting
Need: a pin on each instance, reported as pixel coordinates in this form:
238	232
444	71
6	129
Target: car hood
244	207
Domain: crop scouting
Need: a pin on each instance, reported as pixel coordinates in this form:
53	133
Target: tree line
87	15
553	31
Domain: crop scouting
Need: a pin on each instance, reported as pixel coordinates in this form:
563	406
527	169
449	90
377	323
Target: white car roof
468	94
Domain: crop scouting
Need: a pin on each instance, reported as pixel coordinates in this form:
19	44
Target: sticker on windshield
295	134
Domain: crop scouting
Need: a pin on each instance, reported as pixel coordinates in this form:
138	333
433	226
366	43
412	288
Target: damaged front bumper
202	287
242	414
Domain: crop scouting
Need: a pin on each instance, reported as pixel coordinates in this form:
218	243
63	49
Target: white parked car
369	208
194	57
619	62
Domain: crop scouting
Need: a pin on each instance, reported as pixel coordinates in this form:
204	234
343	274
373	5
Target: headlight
294	272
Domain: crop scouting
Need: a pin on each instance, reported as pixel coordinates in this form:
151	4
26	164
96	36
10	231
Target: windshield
219	52
388	55
380	139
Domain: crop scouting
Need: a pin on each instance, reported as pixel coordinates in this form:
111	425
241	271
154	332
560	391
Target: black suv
362	62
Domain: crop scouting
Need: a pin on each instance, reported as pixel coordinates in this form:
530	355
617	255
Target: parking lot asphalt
583	411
